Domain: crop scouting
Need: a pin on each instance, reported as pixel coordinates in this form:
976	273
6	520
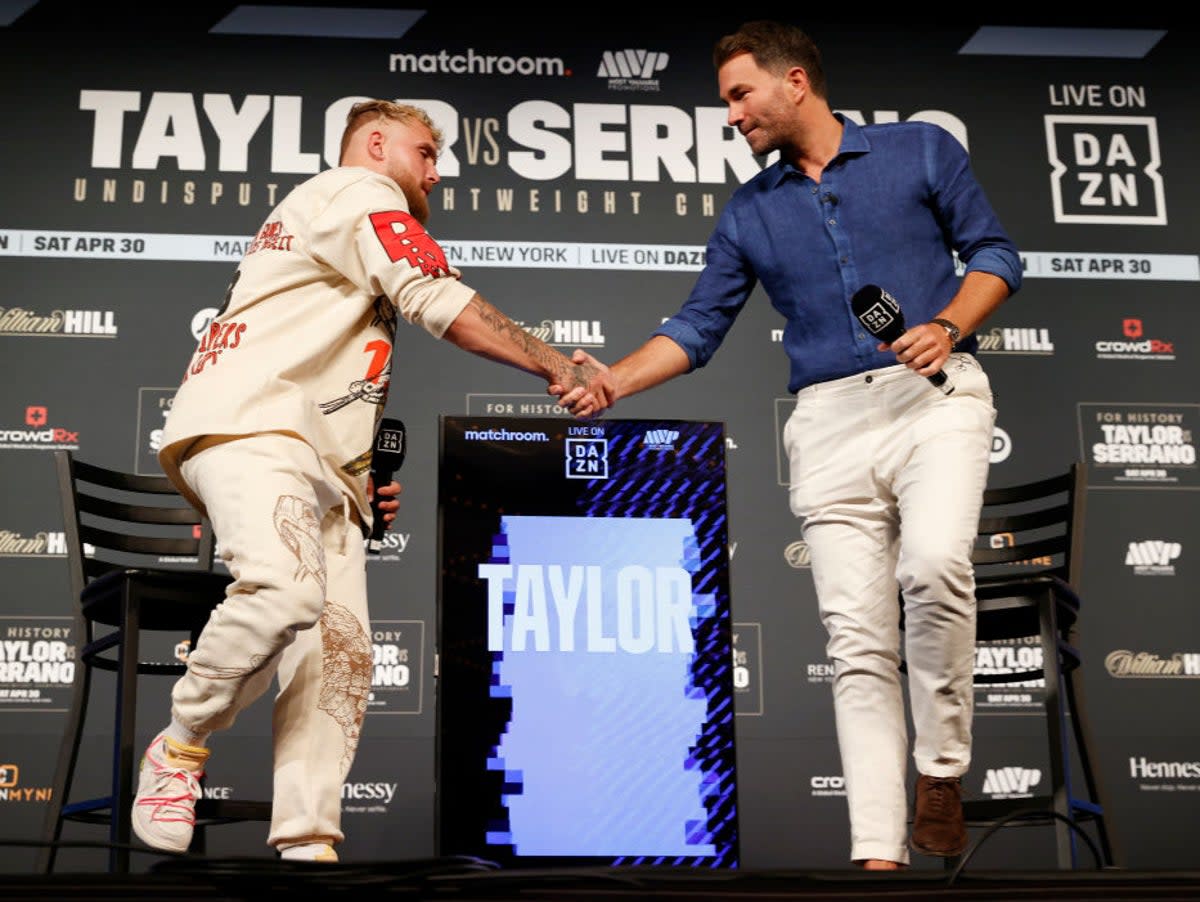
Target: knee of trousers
937	570
305	602
278	605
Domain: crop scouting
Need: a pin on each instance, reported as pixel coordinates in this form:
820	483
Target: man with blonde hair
270	435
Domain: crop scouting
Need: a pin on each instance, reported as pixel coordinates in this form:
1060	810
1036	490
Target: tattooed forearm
553	362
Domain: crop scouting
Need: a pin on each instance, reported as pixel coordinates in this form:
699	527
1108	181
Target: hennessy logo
797	554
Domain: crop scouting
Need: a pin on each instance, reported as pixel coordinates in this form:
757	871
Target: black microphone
386	458
880	315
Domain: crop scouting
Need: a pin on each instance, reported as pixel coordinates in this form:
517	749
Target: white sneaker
164	809
309	851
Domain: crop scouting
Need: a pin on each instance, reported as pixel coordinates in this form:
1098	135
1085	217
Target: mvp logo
1105	169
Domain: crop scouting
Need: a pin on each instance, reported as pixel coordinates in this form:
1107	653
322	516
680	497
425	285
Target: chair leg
68	756
1082	732
1056	732
124	740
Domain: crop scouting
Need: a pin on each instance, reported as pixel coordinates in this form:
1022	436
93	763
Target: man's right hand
592	390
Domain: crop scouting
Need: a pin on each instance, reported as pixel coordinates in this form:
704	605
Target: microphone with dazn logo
880	315
386	458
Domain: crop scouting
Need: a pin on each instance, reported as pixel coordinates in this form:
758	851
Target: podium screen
584	693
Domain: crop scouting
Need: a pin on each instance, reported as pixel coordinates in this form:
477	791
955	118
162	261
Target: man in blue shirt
886	471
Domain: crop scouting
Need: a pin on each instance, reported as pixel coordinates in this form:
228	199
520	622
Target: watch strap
951	329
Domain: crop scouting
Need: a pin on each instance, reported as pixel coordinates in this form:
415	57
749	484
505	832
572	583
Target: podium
585	702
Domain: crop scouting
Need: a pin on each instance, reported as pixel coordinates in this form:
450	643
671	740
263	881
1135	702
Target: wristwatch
952	330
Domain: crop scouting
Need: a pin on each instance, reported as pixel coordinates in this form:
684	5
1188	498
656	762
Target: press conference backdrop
586	160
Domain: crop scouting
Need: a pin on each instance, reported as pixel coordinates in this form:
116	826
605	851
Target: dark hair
776	47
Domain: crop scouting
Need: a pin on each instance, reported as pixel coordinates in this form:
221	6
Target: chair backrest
116	520
1035	528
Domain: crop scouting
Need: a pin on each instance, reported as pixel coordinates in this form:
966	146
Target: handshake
584	386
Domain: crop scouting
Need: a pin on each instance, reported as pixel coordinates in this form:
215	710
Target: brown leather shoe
938	826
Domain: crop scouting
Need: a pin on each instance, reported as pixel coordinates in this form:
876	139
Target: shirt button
833	222
870	379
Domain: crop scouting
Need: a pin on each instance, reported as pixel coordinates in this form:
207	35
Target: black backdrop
584	175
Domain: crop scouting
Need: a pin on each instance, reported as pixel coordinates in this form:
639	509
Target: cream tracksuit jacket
303	343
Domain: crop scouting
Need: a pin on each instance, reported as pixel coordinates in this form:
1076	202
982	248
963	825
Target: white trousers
887	474
297	609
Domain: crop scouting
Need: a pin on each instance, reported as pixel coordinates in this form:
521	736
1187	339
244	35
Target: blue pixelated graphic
593	625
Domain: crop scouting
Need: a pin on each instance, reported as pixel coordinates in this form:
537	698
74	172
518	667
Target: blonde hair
371	110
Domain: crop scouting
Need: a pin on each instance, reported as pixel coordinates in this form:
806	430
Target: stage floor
470	880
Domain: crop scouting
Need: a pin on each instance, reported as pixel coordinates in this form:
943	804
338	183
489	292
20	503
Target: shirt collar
854	140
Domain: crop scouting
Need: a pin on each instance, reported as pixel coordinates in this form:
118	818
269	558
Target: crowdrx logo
1135	345
824	785
37	433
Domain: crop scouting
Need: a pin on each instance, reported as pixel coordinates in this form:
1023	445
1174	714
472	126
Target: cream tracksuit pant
297	609
887	474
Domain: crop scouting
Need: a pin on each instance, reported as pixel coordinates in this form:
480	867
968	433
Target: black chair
141	559
1028	565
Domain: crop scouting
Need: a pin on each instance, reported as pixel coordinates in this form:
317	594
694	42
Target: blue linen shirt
891	207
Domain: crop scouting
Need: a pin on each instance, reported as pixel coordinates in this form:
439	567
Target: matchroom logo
1104	169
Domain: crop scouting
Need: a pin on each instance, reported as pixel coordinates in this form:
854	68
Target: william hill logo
660	439
1015	341
77	323
574	332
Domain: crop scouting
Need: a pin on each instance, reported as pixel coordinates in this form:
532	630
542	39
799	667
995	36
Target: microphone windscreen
390	447
878	312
